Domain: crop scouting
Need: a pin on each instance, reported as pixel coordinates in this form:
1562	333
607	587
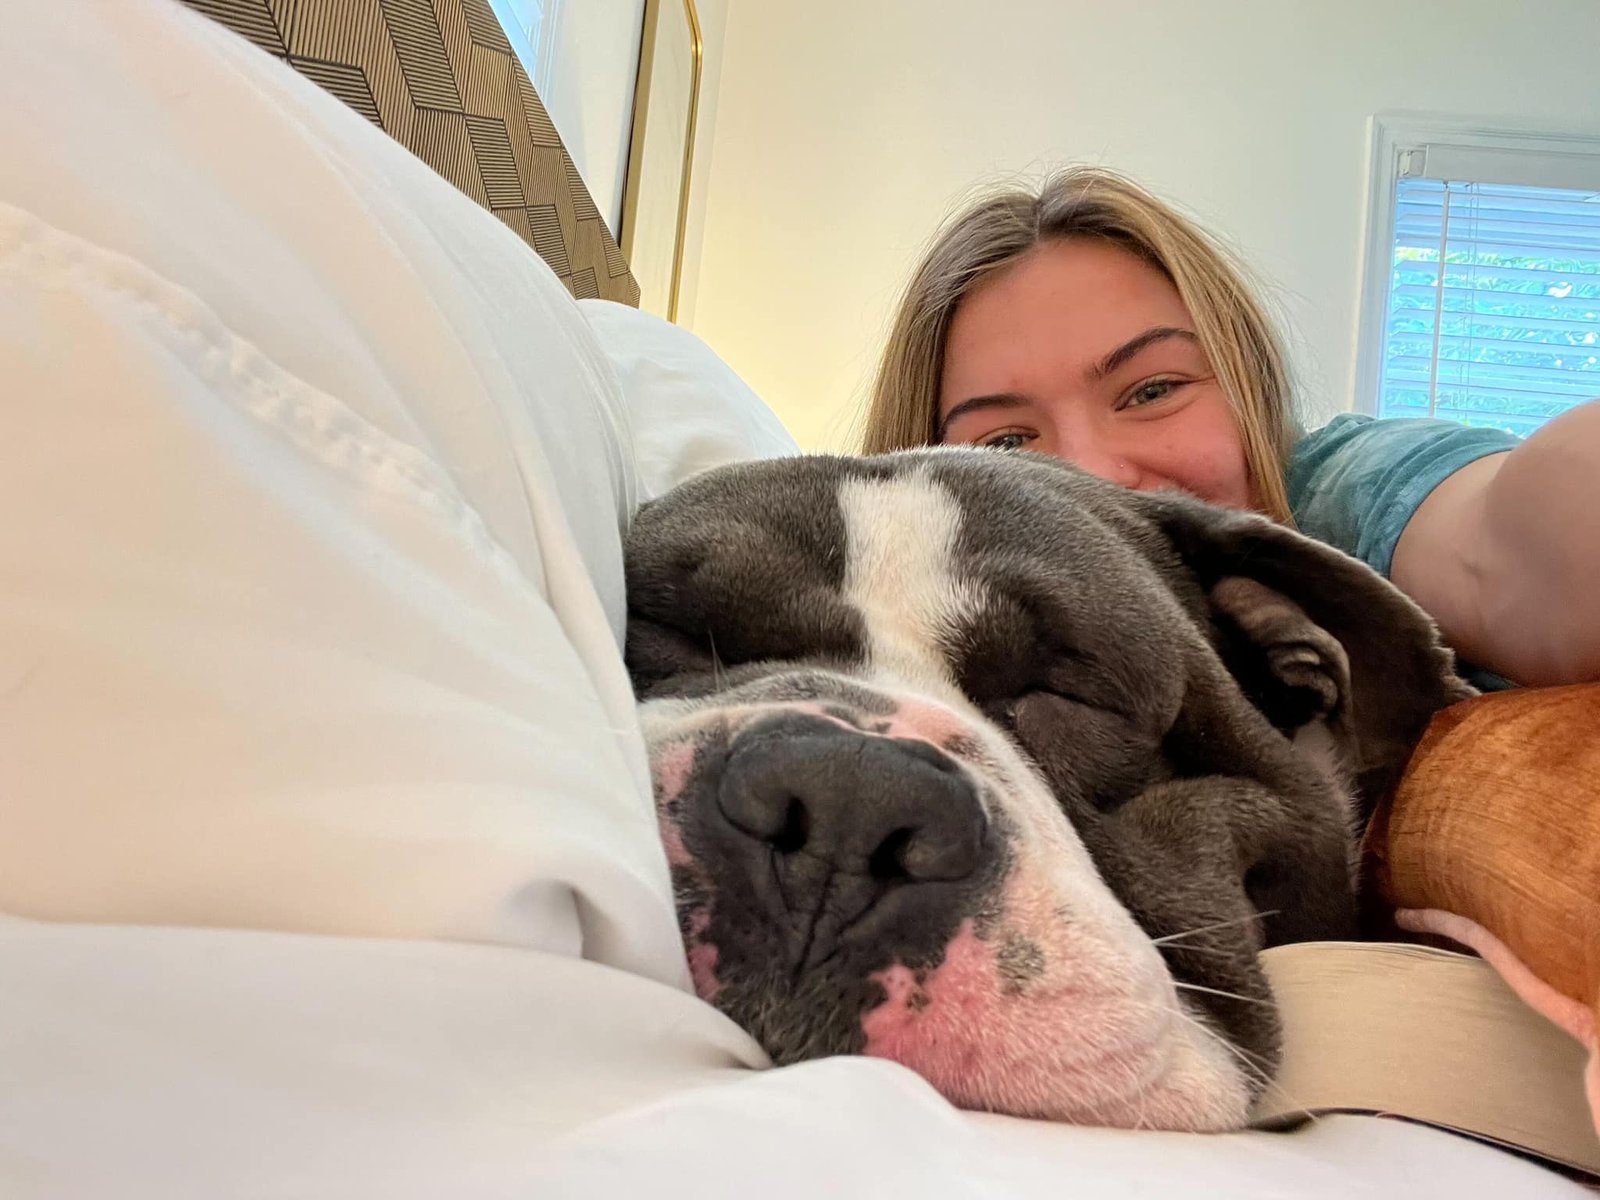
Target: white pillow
315	478
688	410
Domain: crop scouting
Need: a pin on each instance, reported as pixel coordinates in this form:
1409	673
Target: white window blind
1493	312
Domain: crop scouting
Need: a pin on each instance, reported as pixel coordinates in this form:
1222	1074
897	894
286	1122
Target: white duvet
326	846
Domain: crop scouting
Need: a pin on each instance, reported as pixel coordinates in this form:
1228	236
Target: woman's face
1083	350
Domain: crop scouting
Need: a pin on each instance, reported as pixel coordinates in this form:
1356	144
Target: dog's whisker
1211	991
1248	1061
1251	1067
1203	950
1173	937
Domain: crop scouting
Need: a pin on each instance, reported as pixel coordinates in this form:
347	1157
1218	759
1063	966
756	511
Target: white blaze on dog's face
969	782
910	600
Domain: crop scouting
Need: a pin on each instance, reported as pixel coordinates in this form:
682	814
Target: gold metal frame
641	113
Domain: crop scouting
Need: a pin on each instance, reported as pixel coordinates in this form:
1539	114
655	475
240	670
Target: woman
1091	321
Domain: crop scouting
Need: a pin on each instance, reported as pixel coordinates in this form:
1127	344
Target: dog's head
974	762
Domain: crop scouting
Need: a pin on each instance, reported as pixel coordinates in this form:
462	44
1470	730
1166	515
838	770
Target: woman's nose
1093	455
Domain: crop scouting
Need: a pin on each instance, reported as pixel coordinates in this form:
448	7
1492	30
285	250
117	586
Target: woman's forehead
1061	307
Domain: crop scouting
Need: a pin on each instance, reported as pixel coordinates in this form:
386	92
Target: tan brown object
1497	819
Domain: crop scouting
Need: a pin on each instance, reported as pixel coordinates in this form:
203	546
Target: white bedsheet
168	1063
324	828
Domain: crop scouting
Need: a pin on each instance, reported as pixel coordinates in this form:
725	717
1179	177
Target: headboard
440	77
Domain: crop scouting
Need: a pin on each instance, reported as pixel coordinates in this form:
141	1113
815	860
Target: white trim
1392	136
549	40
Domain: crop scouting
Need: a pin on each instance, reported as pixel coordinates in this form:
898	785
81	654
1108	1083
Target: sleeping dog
974	762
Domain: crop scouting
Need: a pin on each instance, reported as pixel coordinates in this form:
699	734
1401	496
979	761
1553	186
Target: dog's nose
886	809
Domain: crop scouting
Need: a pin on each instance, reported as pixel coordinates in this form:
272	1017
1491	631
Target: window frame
1392	137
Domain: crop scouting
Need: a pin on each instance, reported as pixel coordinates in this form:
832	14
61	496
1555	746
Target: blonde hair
1239	341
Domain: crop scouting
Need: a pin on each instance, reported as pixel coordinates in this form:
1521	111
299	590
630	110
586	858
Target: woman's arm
1505	554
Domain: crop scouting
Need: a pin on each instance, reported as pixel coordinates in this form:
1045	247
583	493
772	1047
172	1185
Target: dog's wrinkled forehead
947	570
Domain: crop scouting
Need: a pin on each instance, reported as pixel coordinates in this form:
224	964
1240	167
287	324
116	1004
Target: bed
328	863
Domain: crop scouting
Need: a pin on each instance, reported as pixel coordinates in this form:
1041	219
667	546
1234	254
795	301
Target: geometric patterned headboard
440	78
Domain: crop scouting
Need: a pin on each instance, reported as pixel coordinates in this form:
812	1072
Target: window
531	29
1483	296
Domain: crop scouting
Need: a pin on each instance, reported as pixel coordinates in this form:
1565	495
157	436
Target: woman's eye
1006	441
1150	393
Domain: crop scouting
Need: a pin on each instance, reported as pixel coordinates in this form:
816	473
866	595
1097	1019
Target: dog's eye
1079	698
1085	748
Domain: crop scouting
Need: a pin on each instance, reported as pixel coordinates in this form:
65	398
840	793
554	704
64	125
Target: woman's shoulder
1357	481
1359	439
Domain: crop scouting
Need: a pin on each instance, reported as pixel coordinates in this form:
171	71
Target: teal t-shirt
1356	482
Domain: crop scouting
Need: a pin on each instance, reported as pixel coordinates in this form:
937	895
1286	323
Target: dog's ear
1292	669
1314	635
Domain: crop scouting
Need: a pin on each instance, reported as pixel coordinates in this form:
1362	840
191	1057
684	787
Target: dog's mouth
969	938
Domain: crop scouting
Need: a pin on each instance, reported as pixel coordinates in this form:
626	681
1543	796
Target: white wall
845	130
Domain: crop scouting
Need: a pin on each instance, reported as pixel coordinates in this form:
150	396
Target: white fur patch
900	537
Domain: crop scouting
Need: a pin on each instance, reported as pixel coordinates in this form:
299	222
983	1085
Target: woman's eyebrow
977	403
1099	370
1157	333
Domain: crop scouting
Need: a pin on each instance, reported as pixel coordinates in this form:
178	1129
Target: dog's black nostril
791	835
879	809
767	810
888	861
